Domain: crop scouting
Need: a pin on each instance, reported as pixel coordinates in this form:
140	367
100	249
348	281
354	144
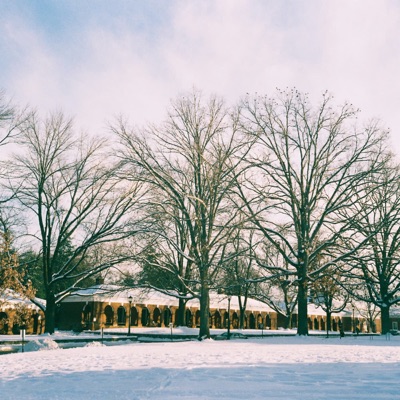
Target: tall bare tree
10	120
276	285
303	171
71	190
375	267
192	160
165	264
11	275
238	272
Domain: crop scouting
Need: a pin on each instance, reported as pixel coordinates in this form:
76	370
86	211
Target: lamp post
129	315
23	336
229	317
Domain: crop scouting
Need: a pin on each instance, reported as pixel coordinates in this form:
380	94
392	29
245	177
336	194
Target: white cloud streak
350	48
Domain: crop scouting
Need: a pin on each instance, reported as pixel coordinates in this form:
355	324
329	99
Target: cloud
132	61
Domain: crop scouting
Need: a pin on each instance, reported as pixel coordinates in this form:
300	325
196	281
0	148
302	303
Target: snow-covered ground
256	368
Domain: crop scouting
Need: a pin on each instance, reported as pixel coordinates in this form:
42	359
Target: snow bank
94	344
38	345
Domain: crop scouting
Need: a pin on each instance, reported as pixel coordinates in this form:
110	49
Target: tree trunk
204	311
385	320
180	315
328	321
50	313
241	318
372	325
302	313
288	319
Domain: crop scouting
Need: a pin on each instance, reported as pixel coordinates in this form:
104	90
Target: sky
99	59
257	368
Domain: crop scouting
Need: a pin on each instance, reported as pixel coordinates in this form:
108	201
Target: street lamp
129	315
229	316
23	327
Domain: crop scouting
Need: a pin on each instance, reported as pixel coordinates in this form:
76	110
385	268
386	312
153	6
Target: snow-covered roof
11	299
314	309
115	294
395	311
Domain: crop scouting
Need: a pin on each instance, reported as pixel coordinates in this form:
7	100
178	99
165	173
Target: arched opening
188	318
35	318
245	322
15	328
322	324
145	317
134	316
334	325
309	323
121	315
252	321
226	319
268	321
3	323
316	324
260	323
167	317
157	317
87	316
109	313
357	325
217	320
235	321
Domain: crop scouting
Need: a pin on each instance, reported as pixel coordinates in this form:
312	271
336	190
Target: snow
115	294
9	299
290	367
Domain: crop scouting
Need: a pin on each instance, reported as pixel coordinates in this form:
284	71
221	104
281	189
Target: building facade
18	313
103	306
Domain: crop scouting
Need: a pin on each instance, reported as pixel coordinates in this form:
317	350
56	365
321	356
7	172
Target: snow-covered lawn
257	368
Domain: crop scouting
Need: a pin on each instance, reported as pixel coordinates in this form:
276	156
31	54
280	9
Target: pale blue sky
95	59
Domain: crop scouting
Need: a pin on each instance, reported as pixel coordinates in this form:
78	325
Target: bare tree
375	267
329	294
238	272
165	262
71	190
10	120
12	277
303	171
192	160
276	285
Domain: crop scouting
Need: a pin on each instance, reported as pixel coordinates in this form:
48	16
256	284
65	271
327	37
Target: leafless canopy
71	187
303	171
191	163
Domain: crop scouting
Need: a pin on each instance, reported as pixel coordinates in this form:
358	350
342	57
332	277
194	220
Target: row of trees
270	198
